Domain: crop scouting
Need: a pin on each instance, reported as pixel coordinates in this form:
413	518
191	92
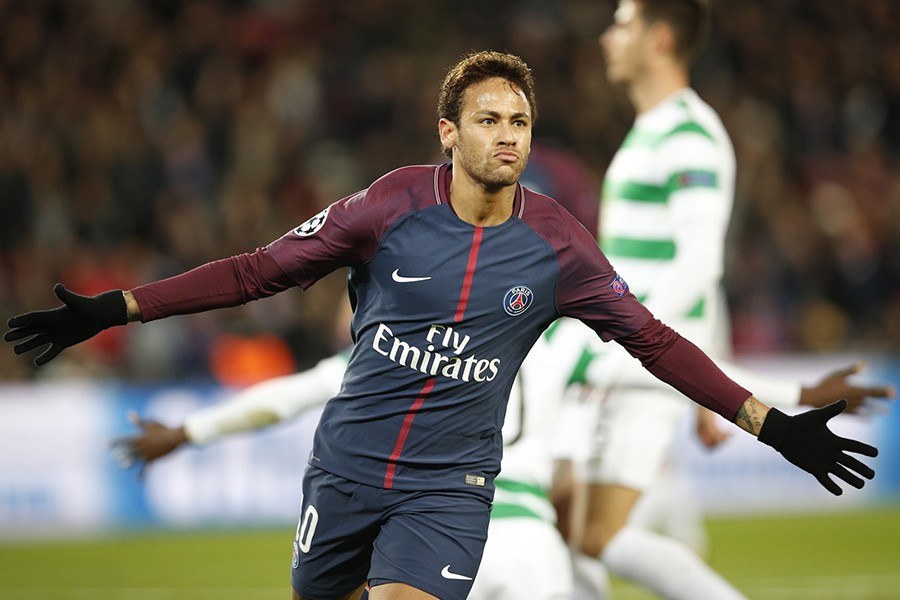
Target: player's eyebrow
497	115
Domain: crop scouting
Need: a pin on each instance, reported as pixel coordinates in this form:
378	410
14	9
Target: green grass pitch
833	556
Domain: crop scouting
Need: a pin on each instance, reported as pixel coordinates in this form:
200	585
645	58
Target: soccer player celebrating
454	272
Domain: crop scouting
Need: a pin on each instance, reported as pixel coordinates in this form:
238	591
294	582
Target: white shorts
634	433
576	424
524	558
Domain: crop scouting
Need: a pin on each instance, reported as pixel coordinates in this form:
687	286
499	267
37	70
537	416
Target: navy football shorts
350	533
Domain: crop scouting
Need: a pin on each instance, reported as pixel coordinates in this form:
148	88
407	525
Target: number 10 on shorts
306	529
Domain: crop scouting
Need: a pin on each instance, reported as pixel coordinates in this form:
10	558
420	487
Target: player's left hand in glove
806	441
80	318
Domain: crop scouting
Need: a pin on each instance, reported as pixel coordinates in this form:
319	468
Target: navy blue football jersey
444	314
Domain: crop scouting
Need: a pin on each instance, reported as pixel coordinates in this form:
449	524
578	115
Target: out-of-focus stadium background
141	138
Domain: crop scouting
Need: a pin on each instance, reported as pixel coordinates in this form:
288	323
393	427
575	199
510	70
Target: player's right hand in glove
806	441
79	318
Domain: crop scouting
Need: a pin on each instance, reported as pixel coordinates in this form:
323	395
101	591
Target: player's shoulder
399	191
547	217
688	115
410	178
538	204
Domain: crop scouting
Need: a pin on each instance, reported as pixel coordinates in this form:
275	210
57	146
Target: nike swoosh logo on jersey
447	574
396	276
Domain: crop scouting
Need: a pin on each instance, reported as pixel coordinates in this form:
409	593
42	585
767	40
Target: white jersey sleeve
268	402
616	369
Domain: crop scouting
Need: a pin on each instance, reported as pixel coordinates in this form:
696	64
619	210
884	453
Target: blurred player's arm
255	407
836	385
804	440
774	391
777	392
708	430
832	387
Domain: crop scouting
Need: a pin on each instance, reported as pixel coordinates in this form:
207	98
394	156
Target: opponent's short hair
477	67
689	20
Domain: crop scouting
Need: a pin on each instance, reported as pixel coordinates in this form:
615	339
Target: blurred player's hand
806	441
155	440
709	431
836	386
80	318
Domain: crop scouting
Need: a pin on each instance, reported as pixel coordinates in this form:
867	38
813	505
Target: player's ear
663	38
448	131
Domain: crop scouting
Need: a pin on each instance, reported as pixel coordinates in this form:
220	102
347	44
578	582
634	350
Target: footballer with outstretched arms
455	270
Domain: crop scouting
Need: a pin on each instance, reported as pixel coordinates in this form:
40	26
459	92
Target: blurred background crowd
140	138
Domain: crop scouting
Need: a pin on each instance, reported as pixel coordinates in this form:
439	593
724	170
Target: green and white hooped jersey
667	199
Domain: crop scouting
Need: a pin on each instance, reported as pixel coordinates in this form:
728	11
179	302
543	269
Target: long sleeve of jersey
269	402
678	362
218	284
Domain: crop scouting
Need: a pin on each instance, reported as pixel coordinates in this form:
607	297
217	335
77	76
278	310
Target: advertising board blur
57	476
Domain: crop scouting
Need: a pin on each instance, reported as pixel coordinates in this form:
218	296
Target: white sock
671	508
591	581
664	567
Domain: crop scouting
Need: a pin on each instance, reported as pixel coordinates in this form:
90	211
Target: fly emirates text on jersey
431	361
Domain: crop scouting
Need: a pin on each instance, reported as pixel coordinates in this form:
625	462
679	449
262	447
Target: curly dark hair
477	67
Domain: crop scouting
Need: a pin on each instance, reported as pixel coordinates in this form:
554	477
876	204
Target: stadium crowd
142	138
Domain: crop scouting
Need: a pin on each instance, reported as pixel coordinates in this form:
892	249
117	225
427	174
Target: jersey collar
443	174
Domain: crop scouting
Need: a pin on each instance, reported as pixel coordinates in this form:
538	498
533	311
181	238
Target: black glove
80	318
806	441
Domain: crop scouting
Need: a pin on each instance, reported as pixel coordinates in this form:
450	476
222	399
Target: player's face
493	139
624	44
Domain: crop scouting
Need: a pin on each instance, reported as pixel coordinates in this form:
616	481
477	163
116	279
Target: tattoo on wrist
748	420
131	307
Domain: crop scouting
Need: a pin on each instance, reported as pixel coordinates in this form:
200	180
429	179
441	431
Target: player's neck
656	86
477	205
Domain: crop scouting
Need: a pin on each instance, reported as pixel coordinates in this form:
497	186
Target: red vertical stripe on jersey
470	272
404	431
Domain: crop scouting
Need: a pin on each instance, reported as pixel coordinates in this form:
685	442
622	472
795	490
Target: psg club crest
619	286
517	300
313	224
